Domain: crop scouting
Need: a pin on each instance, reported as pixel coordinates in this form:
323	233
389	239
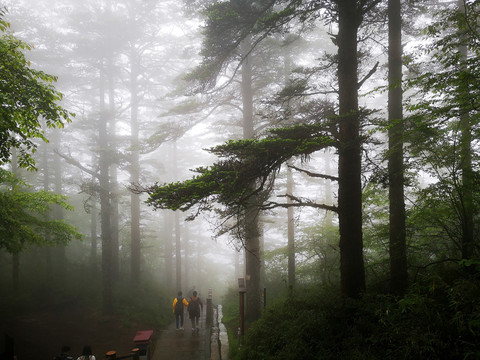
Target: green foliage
446	88
227	24
318	247
435	223
244	162
23	219
26	96
230	309
442	132
432	322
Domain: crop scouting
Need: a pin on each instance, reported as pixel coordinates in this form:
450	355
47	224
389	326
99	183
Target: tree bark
397	249
349	164
290	186
60	250
114	194
15	256
47	251
178	252
135	261
290	231
105	210
188	257
466	205
168	248
93	235
252	265
252	236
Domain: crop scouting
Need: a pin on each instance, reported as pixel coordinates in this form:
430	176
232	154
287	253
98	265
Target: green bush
434	320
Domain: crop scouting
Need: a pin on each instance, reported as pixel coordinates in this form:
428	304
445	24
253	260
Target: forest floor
40	334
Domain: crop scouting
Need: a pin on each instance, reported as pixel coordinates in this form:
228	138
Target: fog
122	63
74	41
181	145
119	66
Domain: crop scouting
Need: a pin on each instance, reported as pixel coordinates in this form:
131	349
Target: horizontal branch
312	174
298	203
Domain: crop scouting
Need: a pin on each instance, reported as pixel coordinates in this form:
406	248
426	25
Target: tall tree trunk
290	230
465	151
238	273
134	172
60	250
252	265
398	252
105	209
187	243
46	187
261	241
15	256
168	246
93	225
16	272
352	270
290	185
114	193
93	235
327	222
178	252
252	236
178	239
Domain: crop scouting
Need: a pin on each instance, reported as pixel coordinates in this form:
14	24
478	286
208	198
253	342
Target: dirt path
173	344
41	334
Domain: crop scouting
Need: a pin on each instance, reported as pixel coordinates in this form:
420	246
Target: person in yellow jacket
178	309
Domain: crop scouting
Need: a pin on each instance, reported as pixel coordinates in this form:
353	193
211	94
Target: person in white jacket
86	354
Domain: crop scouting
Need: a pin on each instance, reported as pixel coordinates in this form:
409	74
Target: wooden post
209	308
241	292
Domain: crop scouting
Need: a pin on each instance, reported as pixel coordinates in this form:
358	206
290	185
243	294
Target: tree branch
370	73
77	164
273	204
312	174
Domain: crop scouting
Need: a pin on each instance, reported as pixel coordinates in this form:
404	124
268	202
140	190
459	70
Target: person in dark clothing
64	354
9	353
179	304
195	306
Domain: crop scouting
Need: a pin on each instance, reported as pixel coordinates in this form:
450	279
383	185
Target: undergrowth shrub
434	320
148	304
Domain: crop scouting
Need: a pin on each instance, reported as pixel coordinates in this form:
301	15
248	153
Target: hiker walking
178	308
195	306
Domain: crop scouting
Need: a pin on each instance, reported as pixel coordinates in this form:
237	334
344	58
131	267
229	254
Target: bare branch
370	73
137	188
77	164
312	174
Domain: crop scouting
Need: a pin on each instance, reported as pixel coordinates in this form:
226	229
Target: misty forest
325	153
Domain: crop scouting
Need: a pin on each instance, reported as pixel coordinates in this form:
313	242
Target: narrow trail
175	344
